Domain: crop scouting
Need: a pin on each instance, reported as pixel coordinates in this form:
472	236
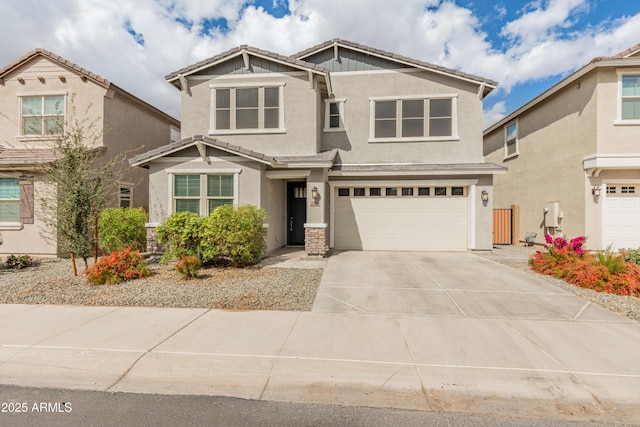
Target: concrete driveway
443	284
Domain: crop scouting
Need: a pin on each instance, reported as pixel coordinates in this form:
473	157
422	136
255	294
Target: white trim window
125	194
511	140
334	115
202	193
174	134
247	108
413	118
42	115
10	200
630	97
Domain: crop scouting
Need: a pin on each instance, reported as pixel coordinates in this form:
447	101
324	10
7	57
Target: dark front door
297	212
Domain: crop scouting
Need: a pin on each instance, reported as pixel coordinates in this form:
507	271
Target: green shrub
614	263
181	234
118	267
631	255
188	266
235	234
119	228
18	262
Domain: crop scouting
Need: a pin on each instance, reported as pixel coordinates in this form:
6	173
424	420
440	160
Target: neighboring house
343	145
40	91
573	155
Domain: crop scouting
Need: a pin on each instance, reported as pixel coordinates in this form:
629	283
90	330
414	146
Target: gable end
350	60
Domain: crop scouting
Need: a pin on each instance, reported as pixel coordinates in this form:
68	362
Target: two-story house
573	155
343	145
39	93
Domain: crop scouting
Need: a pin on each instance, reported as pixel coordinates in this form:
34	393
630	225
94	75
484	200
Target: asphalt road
50	407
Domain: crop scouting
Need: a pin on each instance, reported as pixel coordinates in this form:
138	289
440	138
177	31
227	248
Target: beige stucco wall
357	88
553	139
613	138
300	111
132	129
81	97
127	125
31	238
253	189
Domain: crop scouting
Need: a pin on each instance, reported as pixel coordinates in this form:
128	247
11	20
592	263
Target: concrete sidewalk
581	368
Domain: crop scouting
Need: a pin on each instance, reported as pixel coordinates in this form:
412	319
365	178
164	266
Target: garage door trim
471	195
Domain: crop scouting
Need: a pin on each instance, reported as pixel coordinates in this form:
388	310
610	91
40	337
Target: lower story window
202	193
124	195
9	200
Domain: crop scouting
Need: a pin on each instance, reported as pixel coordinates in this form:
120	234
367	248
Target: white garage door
401	218
622	216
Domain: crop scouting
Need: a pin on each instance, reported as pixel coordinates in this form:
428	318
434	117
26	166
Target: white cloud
493	114
544	40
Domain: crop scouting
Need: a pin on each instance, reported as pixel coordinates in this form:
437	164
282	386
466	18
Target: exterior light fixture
484	196
315	196
596	190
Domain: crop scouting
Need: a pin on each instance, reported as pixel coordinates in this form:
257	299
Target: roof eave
599	63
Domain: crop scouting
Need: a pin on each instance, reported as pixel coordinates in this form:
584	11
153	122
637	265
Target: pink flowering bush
569	261
574	245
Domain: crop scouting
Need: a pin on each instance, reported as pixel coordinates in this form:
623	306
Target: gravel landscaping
51	281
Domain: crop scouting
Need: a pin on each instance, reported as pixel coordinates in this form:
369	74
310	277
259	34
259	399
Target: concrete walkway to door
483	334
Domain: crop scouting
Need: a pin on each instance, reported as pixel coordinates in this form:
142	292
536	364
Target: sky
526	46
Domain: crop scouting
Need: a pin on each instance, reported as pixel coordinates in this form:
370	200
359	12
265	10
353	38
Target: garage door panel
401	223
621	219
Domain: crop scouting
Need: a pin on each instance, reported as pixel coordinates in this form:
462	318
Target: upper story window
414	118
42	115
202	193
511	140
247	108
630	97
174	134
334	115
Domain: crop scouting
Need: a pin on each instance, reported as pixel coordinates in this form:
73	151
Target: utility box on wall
552	214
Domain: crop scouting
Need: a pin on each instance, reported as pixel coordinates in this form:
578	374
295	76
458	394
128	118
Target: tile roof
239	49
186	142
58	59
25	158
392	56
18	158
627	52
275	161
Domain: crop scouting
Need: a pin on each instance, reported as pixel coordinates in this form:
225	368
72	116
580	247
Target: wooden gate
502	226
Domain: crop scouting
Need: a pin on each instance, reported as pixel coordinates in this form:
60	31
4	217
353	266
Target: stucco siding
30	238
354	143
613	138
80	96
553	139
131	129
300	114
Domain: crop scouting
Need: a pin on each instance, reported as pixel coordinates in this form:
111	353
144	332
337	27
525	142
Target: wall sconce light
484	196
315	196
596	190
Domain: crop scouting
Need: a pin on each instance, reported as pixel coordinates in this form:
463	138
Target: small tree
81	182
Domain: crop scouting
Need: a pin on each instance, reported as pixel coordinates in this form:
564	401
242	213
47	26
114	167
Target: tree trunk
73	263
95	236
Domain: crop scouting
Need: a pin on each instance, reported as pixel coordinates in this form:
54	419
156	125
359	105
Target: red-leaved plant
119	266
569	261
